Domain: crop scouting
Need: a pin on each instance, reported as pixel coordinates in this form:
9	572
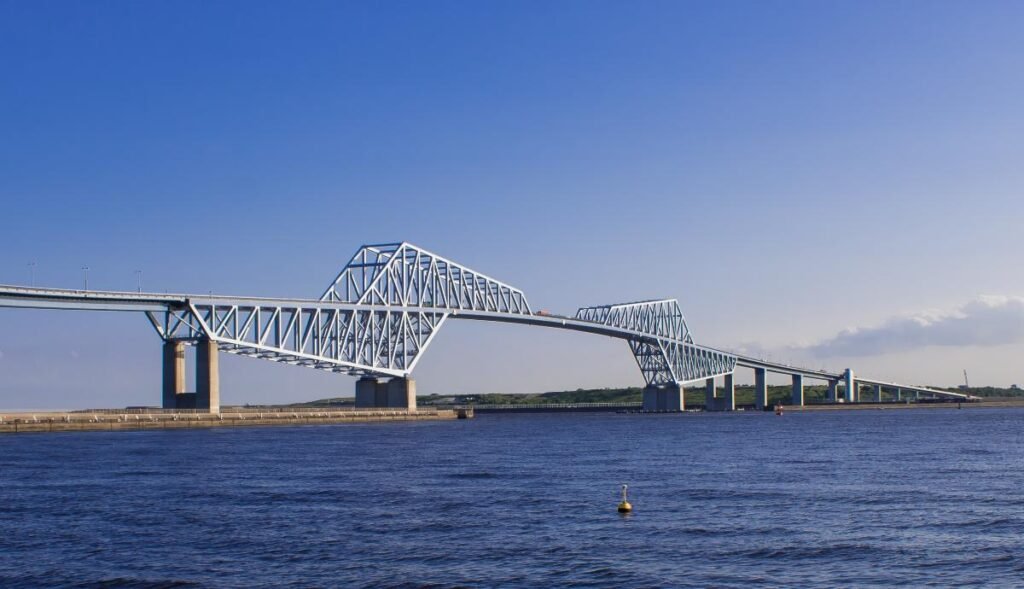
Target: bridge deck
54	298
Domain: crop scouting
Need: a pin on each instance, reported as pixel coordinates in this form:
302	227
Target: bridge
381	312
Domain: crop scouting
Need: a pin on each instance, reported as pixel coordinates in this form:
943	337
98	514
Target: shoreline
882	406
136	419
127	420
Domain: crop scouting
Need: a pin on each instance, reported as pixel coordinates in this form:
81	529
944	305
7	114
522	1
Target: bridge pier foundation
852	395
380	394
397	393
667	397
878	393
174	373
729	394
899	394
798	390
833	389
207	376
710	395
760	388
366	392
402	394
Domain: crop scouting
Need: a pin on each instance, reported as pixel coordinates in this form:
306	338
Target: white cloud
985	321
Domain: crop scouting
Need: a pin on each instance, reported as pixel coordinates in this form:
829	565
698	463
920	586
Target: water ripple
896	498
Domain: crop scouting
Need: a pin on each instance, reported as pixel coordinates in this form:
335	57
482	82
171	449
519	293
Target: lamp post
32	271
138	277
85	276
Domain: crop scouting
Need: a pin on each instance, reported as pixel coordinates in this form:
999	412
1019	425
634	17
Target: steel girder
671	356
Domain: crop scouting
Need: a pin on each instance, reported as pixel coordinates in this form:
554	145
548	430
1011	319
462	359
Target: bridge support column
710	394
878	393
650	398
833	386
851	386
174	373
729	396
401	394
798	390
666	397
899	394
366	392
207	376
760	388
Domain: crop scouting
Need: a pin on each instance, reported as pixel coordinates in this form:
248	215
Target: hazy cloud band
985	321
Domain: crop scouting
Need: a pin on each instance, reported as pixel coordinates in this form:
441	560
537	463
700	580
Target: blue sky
787	170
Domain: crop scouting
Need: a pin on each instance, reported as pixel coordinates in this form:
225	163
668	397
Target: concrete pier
710	395
174	373
729	394
207	377
798	390
833	389
366	392
666	397
402	394
760	388
878	393
380	394
397	393
851	386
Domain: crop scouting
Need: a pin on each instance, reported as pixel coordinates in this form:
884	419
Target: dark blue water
857	498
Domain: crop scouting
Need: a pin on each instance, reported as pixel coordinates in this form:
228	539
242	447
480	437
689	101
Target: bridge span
381	312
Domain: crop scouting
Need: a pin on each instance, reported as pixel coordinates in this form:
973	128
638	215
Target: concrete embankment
557	408
107	420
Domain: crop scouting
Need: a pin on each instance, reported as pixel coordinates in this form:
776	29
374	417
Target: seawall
108	420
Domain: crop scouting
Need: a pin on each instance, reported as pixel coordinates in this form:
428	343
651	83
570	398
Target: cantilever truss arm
402	274
348	339
670	354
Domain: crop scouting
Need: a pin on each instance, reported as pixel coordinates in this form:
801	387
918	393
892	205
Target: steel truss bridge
381	312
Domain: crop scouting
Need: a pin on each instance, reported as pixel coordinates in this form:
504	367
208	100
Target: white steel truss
402	274
672	356
383	309
662	318
383	341
381	313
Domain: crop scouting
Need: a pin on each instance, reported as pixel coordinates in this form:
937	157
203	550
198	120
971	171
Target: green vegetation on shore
694	396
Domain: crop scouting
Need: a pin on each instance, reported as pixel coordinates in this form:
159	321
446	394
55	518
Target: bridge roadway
154	303
69	299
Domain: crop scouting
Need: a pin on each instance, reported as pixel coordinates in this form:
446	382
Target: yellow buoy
624	506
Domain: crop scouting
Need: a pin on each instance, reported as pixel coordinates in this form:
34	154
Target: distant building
1014	387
